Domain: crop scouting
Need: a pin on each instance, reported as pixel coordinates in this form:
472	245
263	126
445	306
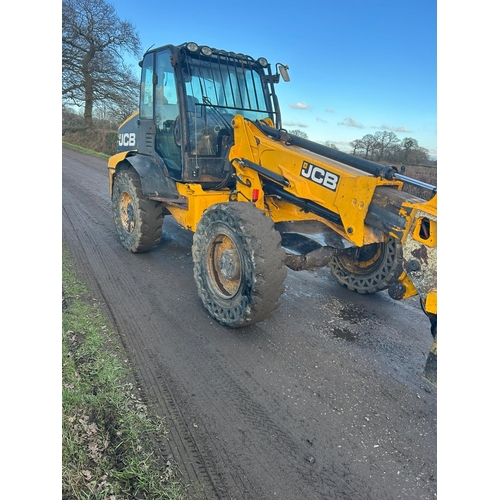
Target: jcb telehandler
207	146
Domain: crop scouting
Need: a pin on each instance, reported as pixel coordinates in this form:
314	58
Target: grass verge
108	449
87	151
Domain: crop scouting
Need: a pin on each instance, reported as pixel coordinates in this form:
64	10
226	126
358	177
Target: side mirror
284	72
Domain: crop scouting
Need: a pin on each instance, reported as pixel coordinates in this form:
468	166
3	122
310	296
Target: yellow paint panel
431	302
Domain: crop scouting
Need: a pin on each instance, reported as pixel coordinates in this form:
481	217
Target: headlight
263	62
192	47
206	51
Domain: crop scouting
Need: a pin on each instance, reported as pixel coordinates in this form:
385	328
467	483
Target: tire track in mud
235	406
181	447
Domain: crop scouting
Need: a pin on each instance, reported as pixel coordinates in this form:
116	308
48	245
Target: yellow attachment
430	304
420	251
410	290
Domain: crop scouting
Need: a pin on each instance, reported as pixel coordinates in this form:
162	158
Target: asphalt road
324	400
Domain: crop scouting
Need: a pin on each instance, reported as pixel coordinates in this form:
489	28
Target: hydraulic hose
367	166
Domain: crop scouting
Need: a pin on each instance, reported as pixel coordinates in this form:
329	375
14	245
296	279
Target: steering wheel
177	131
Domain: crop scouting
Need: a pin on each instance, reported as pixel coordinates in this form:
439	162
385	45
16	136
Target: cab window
146	103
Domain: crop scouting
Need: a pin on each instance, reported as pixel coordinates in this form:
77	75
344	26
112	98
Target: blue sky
356	67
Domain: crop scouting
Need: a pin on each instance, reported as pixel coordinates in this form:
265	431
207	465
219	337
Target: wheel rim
224	266
370	269
127	216
367	259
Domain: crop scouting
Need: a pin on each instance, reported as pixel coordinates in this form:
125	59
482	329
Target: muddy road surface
324	400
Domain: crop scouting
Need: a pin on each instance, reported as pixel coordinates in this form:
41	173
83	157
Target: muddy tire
137	219
238	264
371	269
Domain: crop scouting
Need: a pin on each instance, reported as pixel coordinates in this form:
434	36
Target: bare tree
357	146
70	119
412	153
367	145
298	133
384	142
385	146
330	144
94	41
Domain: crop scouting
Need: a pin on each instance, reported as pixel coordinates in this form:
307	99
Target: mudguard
153	180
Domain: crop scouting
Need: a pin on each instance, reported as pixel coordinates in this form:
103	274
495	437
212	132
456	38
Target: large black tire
371	268
238	264
137	219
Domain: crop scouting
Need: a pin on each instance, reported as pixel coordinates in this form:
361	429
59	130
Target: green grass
108	434
87	151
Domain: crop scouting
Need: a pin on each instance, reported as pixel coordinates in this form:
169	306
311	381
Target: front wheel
371	268
138	220
238	264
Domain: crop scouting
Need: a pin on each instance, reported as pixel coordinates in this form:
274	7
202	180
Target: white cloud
300	105
351	122
329	110
394	129
295	124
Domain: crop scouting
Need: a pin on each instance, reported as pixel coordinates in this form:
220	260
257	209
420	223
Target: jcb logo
126	139
319	175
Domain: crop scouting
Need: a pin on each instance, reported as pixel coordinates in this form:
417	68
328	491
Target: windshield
227	83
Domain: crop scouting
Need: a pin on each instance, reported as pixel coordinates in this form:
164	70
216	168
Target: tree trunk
89	88
87	113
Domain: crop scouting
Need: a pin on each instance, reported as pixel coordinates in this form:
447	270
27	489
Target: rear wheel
371	268
238	264
137	219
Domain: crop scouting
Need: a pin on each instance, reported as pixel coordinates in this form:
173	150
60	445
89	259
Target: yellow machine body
291	184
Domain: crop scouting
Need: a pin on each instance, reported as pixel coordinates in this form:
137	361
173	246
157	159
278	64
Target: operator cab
189	97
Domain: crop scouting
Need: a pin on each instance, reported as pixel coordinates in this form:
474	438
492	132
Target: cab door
146	124
166	114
